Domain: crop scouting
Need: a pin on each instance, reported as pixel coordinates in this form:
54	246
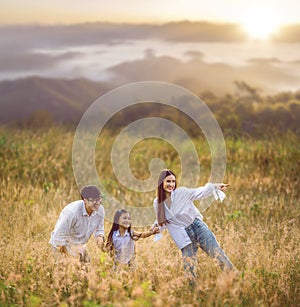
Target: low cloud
198	75
31	50
30	60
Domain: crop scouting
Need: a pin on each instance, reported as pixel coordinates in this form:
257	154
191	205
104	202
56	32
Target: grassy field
257	225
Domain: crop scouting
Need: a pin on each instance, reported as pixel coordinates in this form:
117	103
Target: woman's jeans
202	236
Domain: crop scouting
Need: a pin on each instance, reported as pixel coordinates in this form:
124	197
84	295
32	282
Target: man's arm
60	235
99	232
100	241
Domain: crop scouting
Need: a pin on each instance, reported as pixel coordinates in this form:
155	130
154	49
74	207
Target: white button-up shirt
183	212
75	226
124	246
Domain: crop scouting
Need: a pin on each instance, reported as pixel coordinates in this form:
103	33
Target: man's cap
90	192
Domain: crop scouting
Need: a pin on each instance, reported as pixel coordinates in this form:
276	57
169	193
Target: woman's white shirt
183	212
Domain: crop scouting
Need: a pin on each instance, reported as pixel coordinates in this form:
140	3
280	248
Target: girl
175	211
120	241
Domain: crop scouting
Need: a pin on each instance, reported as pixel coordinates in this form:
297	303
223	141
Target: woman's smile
169	183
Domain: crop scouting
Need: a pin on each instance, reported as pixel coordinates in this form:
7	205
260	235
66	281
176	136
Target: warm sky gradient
77	11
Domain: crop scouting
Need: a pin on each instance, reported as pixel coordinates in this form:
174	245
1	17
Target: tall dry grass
257	226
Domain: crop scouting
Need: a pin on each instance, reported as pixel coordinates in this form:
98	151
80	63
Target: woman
175	210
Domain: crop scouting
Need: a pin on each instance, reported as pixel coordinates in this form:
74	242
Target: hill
64	100
36	102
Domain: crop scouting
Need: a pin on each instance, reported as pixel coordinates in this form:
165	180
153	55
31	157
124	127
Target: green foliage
235	215
250	114
247	112
35	301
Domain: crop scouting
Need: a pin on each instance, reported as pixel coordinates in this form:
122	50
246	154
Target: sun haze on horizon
260	23
156	11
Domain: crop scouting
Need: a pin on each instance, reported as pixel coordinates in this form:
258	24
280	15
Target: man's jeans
202	236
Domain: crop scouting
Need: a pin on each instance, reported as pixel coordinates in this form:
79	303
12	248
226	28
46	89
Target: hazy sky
251	45
76	11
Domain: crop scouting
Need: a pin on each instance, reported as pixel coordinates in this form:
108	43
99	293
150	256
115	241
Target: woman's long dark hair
161	196
115	226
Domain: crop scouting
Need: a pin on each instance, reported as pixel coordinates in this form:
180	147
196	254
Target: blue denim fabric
202	236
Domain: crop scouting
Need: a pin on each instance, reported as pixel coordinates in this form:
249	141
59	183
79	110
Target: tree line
245	112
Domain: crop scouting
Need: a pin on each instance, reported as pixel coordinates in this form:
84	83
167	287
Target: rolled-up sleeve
61	233
202	192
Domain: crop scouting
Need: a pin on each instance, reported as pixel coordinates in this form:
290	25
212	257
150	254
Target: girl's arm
145	234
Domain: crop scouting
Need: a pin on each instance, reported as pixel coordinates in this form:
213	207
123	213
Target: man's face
92	204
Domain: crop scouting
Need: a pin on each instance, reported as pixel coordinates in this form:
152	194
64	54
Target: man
77	222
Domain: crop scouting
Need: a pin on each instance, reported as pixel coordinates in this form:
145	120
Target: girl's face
125	220
169	183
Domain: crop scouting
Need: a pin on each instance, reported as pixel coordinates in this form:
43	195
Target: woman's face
169	183
125	220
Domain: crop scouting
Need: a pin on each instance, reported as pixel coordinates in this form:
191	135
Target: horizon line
157	23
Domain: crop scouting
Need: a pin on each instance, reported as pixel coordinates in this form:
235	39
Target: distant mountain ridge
65	100
39	102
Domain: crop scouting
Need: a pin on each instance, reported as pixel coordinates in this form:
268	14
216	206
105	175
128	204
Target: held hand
63	250
223	186
106	248
155	230
100	242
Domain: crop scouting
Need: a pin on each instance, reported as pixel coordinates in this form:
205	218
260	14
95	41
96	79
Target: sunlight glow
259	24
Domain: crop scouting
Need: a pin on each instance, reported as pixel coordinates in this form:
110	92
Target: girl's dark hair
115	226
161	196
